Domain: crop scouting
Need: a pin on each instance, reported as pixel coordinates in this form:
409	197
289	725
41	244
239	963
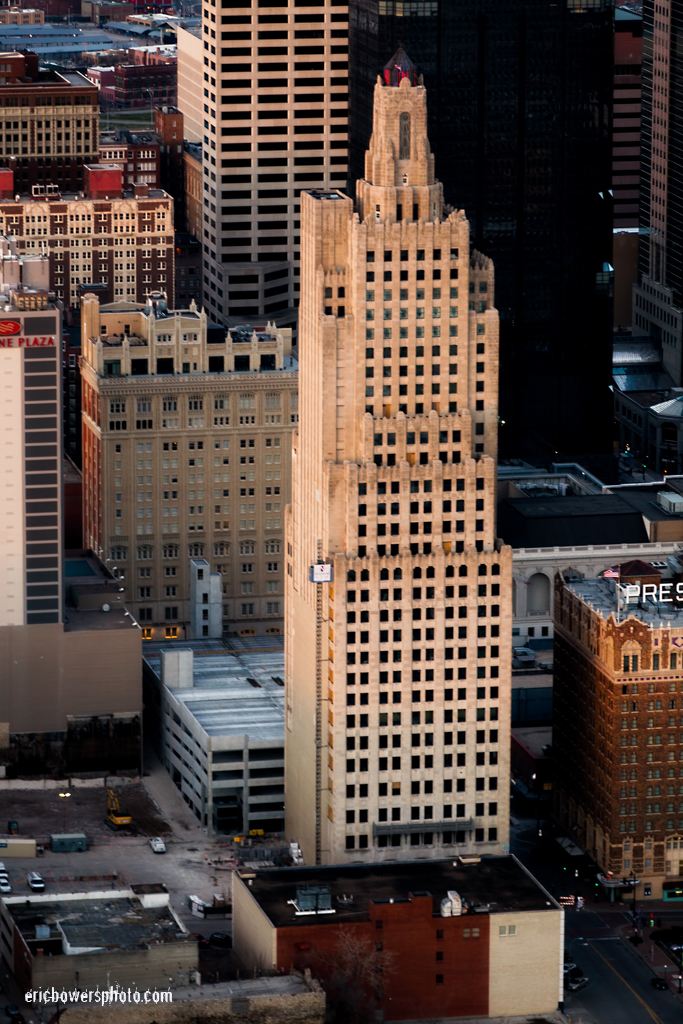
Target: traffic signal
652	920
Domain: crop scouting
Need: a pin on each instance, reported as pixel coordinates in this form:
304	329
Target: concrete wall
304	1007
139	968
525	969
254	938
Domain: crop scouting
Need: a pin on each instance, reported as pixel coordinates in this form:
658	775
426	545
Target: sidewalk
168	799
648	951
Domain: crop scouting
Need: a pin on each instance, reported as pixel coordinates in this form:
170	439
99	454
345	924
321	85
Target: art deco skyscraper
397	686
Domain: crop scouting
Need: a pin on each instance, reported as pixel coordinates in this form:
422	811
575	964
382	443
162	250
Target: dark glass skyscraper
520	99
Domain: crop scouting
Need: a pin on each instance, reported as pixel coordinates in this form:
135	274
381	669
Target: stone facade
186	454
397	687
617	744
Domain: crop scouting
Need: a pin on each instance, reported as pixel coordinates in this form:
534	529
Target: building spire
399	67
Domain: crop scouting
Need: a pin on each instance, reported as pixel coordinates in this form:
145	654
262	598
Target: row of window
360	790
426	696
630	662
461	762
447	838
416	677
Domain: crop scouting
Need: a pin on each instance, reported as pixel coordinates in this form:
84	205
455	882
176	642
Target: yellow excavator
114	815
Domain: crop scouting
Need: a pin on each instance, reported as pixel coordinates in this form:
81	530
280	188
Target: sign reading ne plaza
46	341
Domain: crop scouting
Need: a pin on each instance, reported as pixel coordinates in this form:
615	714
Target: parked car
35	881
221	939
574	984
158	845
661	983
569	966
5	885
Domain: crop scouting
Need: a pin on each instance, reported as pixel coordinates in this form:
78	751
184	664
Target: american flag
611	574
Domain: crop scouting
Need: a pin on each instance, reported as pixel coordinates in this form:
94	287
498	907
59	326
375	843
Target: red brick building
617	727
116	242
138	85
501	955
138	154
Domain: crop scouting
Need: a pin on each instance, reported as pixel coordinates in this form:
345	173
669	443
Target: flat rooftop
499	884
572	520
88	588
222	699
601	594
116	922
534	738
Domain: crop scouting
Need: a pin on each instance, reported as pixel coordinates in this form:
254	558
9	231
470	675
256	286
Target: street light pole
633	876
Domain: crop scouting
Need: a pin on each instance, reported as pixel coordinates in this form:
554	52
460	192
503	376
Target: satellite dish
105	608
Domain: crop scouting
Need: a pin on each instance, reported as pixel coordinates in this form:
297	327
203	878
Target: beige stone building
398	672
186	455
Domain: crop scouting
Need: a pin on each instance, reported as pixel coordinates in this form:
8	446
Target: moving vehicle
661	983
221	939
35	881
158	845
114	814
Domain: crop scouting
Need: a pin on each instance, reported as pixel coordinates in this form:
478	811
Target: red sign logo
9	327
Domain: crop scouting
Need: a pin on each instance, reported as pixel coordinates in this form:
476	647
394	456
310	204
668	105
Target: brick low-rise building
423	940
617	725
138	154
138	85
119	243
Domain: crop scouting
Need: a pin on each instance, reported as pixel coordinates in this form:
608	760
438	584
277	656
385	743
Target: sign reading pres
320	574
47	341
662	594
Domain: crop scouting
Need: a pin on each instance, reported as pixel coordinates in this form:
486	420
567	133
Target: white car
158	845
5	885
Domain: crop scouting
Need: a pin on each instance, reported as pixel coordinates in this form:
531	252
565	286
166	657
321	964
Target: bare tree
355	974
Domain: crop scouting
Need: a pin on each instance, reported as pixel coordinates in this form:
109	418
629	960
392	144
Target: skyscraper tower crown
394	487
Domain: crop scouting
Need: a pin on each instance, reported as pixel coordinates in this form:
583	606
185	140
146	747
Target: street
619	988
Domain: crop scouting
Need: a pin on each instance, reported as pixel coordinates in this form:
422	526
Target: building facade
186	454
397	683
495	949
21	16
531	165
51	123
139	85
273	96
138	154
118	242
628	83
658	296
618	751
233	781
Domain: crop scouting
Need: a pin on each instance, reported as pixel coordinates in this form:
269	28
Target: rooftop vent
345	900
253	682
313	899
451	905
467	859
670	503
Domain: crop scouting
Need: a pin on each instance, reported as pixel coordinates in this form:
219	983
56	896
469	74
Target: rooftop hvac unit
670	502
451	906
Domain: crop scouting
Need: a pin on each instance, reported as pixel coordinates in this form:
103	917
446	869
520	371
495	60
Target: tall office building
520	119
186	455
658	297
273	99
397	683
53	633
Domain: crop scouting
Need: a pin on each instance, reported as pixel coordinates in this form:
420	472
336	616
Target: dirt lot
42	812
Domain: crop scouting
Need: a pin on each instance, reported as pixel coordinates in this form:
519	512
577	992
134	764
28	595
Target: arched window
450	571
404	137
538	596
365	575
351	576
462	571
417	573
483	569
430	572
384	574
398	574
